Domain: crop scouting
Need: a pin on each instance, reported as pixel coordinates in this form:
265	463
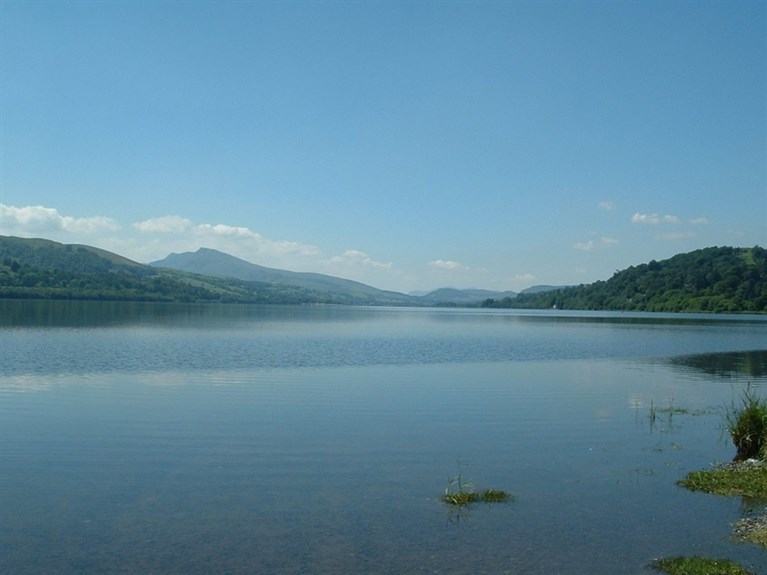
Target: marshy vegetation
698	566
460	492
745	476
666	412
747	425
747	480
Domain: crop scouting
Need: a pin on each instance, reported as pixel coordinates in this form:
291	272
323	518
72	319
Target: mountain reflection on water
727	364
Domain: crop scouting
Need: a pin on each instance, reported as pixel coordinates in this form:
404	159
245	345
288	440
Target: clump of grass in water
460	493
747	475
460	498
745	480
698	566
747	425
495	496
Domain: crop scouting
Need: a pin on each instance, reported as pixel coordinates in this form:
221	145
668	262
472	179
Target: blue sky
407	145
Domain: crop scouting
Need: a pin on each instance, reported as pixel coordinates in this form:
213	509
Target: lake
154	438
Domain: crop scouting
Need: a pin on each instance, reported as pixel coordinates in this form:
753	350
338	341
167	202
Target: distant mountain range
217	264
712	279
214	263
452	296
40	268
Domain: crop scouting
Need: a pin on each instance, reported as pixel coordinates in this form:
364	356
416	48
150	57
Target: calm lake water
145	438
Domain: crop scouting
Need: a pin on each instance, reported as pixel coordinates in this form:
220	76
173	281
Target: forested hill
43	269
718	279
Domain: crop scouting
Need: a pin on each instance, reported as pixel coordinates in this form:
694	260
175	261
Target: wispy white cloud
654	219
164	225
222	236
603	242
228	231
39	220
153	238
447	265
607	206
357	258
677	234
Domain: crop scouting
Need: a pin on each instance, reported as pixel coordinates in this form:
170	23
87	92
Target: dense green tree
718	279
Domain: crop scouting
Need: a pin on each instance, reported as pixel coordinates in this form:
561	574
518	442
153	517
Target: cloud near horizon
153	239
358	258
654	219
150	239
164	225
590	245
39	219
447	265
217	232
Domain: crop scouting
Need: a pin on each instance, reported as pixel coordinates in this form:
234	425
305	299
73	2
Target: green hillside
48	255
718	279
43	269
214	263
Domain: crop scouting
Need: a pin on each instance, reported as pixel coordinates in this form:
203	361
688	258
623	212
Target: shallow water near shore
140	438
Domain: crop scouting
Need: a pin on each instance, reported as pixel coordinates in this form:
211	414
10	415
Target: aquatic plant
696	565
460	498
747	425
748	480
495	496
461	493
668	411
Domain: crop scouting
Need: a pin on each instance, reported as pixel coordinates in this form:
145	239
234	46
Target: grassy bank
699	566
745	477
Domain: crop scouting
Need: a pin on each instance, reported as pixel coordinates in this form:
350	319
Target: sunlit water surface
139	438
